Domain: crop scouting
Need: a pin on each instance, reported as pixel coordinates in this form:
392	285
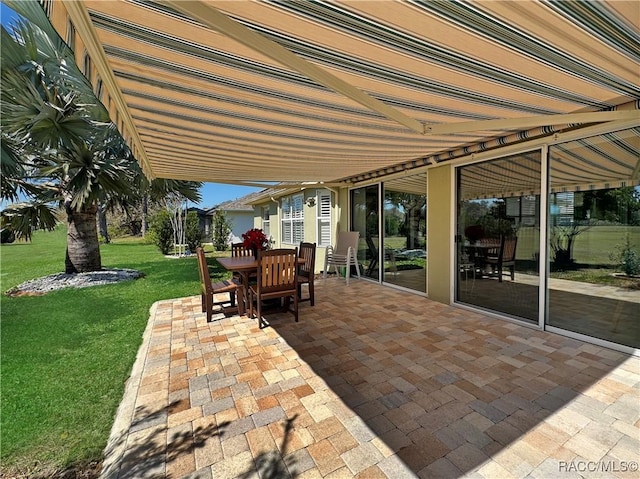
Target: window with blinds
323	216
293	219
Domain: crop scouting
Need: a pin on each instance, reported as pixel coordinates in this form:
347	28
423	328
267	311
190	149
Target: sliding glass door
391	219
403	252
594	237
497	241
365	219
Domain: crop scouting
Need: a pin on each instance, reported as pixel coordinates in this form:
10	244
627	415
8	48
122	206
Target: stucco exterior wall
439	241
341	211
241	221
339	221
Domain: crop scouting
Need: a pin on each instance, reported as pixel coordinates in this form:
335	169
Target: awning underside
207	107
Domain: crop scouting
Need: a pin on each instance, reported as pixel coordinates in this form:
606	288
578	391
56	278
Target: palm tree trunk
102	222
83	248
145	214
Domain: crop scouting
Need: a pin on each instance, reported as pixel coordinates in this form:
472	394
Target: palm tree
58	145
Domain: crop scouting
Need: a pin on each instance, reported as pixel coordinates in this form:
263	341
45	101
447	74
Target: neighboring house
287	217
292	215
205	221
240	214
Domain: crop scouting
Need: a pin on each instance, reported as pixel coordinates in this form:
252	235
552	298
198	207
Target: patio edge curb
116	444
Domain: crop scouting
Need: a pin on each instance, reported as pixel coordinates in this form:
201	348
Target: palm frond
24	218
33	12
11	170
161	187
13	53
49	110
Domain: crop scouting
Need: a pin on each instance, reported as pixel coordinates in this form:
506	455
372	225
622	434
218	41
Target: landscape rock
54	282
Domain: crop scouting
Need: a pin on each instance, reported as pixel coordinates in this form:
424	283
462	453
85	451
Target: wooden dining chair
277	278
209	289
306	270
239	250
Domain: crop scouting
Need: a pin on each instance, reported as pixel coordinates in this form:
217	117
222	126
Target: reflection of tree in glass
561	241
627	257
414	207
617	205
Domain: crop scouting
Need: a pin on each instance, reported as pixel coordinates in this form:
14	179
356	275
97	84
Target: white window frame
324	216
292	231
266	221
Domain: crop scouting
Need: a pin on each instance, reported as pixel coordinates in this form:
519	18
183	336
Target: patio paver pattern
371	383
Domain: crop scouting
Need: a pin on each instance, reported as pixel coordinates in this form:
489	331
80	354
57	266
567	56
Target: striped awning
610	160
242	92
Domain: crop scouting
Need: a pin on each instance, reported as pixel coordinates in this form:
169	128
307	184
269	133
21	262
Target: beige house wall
274	220
439	241
341	211
339	218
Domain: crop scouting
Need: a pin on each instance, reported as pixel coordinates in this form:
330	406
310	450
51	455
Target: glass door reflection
497	241
403	252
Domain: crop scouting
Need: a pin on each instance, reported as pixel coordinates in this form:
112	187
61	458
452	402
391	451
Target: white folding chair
344	254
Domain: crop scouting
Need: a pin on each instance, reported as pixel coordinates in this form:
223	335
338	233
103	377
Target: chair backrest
277	269
489	242
205	278
372	247
239	250
493	246
308	253
345	240
509	249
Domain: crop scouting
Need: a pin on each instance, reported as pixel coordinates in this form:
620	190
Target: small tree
221	230
175	203
192	231
627	258
161	231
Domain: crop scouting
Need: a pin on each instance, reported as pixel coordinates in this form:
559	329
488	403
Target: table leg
244	301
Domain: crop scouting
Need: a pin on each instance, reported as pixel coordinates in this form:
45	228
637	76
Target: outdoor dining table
478	253
244	265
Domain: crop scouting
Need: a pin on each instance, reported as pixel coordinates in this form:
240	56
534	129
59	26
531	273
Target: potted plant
255	240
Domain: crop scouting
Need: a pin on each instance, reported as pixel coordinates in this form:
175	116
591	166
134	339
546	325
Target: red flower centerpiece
255	240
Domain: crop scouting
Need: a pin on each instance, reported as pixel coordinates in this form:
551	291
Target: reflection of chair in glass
277	278
306	271
389	255
505	257
210	289
344	254
373	251
466	267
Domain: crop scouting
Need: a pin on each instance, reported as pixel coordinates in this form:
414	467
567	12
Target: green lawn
592	246
65	356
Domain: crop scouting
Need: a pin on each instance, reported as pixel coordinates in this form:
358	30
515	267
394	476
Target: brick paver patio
372	383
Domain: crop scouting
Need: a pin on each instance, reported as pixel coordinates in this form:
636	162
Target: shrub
7	236
192	231
161	231
627	258
221	230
